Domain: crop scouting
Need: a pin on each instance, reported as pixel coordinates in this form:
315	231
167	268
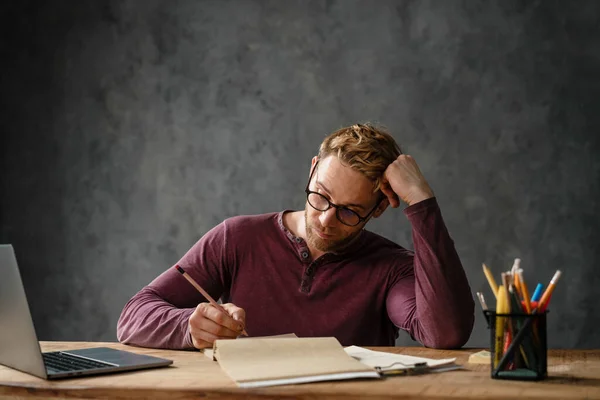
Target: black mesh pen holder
518	345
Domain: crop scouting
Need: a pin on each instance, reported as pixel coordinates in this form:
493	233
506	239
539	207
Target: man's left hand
403	180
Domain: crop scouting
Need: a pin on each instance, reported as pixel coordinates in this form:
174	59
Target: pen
203	292
490	279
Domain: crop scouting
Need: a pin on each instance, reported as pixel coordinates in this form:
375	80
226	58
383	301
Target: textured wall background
130	128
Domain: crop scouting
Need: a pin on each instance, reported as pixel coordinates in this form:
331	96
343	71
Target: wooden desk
573	374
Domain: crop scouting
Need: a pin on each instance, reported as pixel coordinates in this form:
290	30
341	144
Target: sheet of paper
390	361
256	362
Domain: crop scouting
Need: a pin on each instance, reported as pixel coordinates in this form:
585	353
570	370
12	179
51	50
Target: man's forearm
149	321
444	303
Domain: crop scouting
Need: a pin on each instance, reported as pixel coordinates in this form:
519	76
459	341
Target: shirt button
298	240
310	271
305	254
304	286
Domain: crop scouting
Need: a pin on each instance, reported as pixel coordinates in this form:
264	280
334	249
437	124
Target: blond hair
363	147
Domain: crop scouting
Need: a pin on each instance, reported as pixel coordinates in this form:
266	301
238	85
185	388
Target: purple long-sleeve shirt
361	296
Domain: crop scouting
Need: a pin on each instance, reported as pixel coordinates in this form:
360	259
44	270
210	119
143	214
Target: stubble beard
327	245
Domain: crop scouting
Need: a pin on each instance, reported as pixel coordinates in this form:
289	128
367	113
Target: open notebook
211	354
256	362
268	361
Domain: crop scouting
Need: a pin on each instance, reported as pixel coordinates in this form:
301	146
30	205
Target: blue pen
537	293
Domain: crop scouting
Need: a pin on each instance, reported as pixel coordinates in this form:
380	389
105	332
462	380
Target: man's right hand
207	324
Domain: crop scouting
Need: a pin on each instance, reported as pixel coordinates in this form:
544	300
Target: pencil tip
178	268
557	275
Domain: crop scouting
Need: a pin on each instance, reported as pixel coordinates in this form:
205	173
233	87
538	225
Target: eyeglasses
345	215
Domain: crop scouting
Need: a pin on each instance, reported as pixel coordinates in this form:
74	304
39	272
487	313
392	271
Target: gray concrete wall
130	128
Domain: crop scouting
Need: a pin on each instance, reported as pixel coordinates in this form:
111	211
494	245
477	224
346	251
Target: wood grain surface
573	374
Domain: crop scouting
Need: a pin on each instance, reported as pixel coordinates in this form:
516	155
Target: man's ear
381	208
312	165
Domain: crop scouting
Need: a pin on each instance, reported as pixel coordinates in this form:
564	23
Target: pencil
542	304
519	291
515	276
490	279
203	292
524	291
482	301
516	266
528	308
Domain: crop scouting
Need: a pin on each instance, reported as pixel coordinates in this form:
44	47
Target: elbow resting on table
123	334
454	340
452	337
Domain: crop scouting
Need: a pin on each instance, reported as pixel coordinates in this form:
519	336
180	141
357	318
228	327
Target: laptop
20	349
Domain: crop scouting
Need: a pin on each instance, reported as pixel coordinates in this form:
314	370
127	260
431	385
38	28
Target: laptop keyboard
65	362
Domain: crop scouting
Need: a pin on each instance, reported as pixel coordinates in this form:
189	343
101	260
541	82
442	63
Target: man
318	272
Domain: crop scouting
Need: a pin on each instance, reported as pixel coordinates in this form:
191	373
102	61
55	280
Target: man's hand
208	323
403	180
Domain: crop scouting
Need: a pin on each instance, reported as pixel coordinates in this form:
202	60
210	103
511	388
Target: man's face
342	186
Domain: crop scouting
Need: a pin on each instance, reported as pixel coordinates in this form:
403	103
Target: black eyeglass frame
337	208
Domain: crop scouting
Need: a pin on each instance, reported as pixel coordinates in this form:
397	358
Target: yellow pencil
524	291
499	338
490	279
517	284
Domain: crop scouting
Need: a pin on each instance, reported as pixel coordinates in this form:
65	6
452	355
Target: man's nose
328	218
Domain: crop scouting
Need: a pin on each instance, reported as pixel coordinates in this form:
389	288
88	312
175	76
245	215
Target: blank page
268	361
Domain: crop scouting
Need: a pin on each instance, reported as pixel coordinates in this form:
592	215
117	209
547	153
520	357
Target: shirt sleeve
157	316
434	303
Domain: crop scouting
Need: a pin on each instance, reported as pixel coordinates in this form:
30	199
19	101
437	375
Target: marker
537	293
